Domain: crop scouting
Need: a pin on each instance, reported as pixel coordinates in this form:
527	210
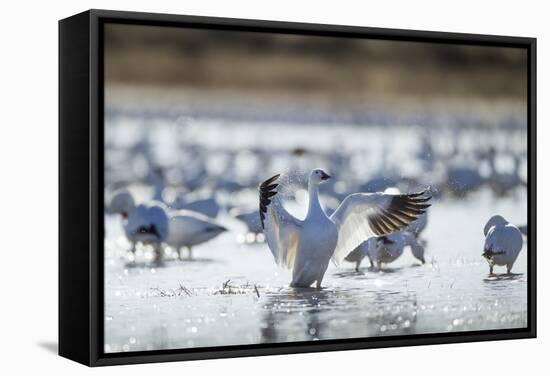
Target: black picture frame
81	186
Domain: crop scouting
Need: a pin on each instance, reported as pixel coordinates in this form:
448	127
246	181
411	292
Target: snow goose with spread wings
307	246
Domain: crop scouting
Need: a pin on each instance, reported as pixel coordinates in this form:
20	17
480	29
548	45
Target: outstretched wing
362	215
281	229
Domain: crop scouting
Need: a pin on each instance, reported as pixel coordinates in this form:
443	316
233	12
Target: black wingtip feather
267	190
403	210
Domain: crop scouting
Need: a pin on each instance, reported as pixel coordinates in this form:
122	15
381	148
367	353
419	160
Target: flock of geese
455	170
376	225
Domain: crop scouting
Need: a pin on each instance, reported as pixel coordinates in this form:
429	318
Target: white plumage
503	242
306	246
386	249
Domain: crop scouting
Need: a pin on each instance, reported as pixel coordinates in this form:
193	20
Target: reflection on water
495	279
329	314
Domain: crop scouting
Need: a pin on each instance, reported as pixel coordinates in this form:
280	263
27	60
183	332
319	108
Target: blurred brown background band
334	69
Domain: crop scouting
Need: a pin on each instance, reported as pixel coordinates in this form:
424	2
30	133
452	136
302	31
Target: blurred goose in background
148	224
306	246
188	229
386	249
206	206
228	185
157	180
386	176
380	182
145	223
251	219
503	182
154	223
426	154
503	242
462	179
122	203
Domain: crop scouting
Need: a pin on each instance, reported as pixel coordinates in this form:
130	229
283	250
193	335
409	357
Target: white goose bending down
503	242
188	228
145	223
306	246
386	249
148	224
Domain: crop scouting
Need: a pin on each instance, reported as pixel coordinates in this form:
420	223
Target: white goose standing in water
306	246
503	242
188	229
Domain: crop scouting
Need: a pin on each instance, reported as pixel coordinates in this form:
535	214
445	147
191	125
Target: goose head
318	176
495	220
122	203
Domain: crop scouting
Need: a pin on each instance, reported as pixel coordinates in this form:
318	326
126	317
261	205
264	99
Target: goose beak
324	176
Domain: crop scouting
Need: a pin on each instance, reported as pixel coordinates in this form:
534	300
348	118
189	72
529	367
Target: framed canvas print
238	187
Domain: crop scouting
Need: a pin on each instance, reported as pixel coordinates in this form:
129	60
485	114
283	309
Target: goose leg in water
357	265
318	284
189	253
131	255
157	250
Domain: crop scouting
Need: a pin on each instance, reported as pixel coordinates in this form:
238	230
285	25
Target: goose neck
314	204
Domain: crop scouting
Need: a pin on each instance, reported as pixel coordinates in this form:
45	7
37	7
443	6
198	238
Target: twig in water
185	290
161	293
